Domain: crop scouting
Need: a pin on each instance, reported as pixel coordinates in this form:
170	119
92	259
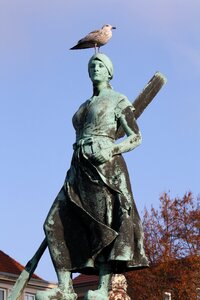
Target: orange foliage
172	243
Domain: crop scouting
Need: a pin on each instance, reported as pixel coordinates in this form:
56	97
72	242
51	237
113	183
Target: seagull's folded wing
91	37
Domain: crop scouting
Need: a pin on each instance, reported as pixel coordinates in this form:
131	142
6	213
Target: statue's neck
99	87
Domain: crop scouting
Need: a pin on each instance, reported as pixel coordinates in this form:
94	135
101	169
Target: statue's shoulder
84	104
120	103
117	96
120	99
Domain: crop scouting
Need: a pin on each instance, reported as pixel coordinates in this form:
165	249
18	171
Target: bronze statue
93	226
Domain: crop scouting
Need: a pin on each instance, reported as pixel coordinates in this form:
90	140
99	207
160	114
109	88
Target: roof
85	279
10	265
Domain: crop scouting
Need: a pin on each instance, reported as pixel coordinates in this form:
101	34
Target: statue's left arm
130	127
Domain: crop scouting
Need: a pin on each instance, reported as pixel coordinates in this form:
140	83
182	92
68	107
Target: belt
82	142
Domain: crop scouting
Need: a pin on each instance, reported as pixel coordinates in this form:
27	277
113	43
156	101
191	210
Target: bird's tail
82	46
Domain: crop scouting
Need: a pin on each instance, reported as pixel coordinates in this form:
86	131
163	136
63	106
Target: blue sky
42	84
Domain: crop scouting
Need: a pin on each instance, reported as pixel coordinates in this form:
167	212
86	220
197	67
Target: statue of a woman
93	226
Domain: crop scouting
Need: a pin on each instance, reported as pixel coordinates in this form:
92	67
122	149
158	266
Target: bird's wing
95	31
90	37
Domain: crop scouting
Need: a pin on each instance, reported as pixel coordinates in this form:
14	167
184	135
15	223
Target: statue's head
103	64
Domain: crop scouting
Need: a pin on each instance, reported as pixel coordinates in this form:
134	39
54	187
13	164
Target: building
10	270
83	283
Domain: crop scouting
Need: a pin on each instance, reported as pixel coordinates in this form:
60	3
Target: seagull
95	39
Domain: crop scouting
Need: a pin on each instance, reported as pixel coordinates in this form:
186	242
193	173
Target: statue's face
98	71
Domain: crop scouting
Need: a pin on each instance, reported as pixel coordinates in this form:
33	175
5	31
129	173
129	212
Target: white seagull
95	39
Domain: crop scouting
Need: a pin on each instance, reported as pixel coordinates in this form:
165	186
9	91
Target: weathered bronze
93	226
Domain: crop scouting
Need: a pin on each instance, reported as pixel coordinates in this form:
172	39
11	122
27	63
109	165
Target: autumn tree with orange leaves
172	244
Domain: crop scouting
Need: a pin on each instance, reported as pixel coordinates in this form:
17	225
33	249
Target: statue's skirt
94	219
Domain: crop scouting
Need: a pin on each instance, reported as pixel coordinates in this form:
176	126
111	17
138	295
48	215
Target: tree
172	244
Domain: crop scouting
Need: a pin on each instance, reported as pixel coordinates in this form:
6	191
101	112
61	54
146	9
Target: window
2	294
167	296
198	293
29	297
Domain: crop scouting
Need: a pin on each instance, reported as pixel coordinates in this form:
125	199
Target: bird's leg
95	46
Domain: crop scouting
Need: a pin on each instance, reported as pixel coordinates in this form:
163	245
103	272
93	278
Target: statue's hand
103	156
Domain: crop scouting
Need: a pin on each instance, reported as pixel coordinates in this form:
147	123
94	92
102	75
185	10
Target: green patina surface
93	225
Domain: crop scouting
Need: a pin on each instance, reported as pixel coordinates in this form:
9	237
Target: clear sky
42	84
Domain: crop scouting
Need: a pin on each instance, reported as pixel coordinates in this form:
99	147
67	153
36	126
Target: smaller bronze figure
93	226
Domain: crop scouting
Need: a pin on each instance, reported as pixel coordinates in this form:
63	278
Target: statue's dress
94	218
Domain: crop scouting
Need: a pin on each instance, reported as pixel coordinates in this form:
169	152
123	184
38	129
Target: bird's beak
113	27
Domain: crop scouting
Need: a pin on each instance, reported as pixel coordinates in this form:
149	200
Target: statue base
55	294
96	295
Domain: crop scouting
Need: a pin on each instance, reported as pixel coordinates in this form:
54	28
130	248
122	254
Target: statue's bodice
99	115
